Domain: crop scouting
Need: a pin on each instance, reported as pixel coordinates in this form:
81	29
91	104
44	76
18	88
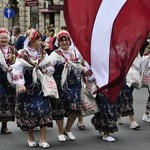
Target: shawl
36	68
5	65
69	64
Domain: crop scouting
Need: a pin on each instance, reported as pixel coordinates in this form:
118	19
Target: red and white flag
109	34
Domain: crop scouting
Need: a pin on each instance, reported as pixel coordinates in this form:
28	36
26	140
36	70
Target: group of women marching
22	90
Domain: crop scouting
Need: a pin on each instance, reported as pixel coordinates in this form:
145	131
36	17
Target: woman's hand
21	88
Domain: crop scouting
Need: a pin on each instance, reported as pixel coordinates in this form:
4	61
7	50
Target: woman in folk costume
144	63
105	120
126	95
67	75
7	91
126	109
33	109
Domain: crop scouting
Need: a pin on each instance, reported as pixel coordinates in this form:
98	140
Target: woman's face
64	43
4	39
36	44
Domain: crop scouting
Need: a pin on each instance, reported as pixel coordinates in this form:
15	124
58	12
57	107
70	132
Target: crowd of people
25	59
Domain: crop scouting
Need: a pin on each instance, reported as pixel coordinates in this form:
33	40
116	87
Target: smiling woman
64	37
68	72
33	108
7	91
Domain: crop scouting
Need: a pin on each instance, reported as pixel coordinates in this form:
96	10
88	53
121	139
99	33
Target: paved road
89	139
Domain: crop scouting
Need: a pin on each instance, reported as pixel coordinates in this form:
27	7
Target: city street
89	139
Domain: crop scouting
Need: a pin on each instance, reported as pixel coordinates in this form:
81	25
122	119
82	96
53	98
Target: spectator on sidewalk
20	38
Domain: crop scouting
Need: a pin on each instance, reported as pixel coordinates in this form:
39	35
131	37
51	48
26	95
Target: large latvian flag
109	34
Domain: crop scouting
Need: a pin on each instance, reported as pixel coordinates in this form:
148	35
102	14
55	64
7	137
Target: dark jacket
20	42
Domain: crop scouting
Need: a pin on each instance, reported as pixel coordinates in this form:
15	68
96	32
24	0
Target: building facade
32	13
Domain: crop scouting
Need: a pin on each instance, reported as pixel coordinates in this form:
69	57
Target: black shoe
82	127
5	131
